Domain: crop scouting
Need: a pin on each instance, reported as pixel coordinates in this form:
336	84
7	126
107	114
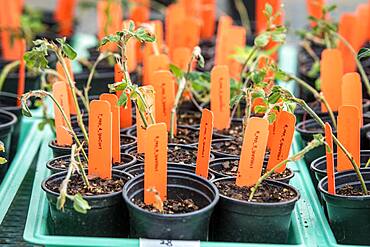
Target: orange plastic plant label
209	20
155	165
140	130
329	159
224	23
331	73
125	112
60	94
204	143
236	39
181	57
349	135
363	15
164	87
130	51
188	33
315	8
192	7
253	151
279	151
261	19
21	73
175	14
352	92
156	62
116	135
64	15
100	139
139	11
220	96
60	71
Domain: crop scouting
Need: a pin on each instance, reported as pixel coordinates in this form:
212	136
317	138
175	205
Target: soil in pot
8	122
108	216
348	210
265	219
229	147
228	167
189	118
184	190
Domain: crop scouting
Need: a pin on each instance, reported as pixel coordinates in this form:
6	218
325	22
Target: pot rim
12	96
103	196
265	204
336	196
322	159
13	119
212	204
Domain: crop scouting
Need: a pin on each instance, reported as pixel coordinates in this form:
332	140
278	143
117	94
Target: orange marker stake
100	139
330	159
164	87
140	11
272	131
60	93
181	57
140	131
188	33
261	20
125	113
130	51
253	152
224	23
116	135
349	135
204	143
314	8
331	74
236	39
352	92
175	14
280	147
64	16
156	62
60	71
21	73
363	15
209	19
155	165
220	96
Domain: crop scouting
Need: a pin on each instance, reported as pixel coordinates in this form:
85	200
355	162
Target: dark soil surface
185	136
230	168
181	155
232	147
171	206
124	141
265	193
235	130
64	164
189	119
349	190
98	186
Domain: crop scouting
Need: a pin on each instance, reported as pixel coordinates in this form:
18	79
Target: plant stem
74	95
359	65
304	105
82	170
367	163
317	95
101	57
245	65
180	90
6	70
243	13
313	144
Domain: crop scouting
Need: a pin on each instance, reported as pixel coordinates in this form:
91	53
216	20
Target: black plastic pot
3	167
187	226
215	167
126	160
138	169
243	221
108	216
99	83
318	166
133	151
310	127
7	125
349	216
66	150
8	102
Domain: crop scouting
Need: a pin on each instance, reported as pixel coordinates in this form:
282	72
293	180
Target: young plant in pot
160	203
3	161
251	208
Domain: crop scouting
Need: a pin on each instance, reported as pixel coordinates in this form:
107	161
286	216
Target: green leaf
271	117
26	111
201	61
262	40
318	84
36	58
176	71
363	53
258	94
236	99
315	69
69	51
260	109
131	26
114	38
61	200
278	37
268	9
80	204
3	161
123	99
274	97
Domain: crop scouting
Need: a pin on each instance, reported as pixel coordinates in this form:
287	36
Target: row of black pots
8	122
230	214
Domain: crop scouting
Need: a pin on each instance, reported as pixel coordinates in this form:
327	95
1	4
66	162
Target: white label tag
167	243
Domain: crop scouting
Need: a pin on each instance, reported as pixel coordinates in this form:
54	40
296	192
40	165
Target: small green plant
2	150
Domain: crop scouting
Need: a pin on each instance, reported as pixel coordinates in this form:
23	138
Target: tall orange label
279	150
164	87
116	135
253	151
331	73
21	73
204	143
181	57
330	159
349	136
352	92
155	62
155	165
60	94
220	96
224	23
209	20
100	139
125	112
59	68
314	8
